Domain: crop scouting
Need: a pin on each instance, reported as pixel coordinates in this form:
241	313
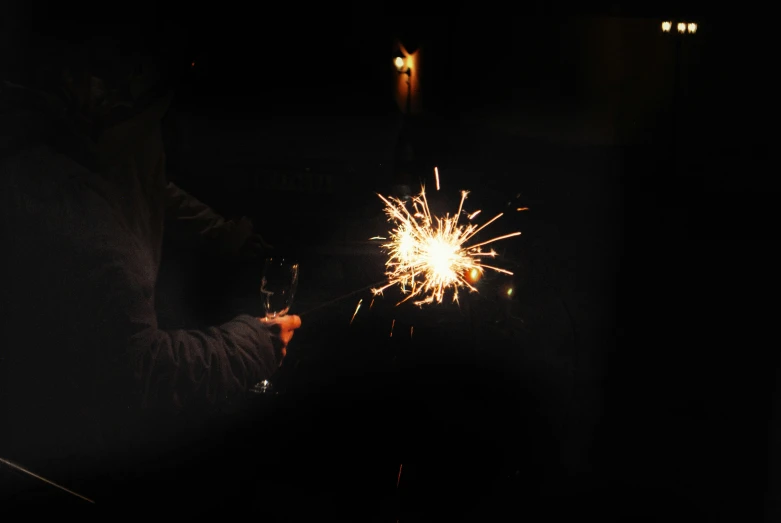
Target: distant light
666	26
510	291
692	28
192	64
399	62
681	27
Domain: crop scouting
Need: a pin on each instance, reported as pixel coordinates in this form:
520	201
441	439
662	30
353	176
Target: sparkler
429	255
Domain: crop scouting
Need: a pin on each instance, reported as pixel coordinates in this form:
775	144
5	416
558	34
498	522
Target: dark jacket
84	368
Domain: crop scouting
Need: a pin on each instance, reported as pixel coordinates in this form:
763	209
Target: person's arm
195	224
165	368
172	368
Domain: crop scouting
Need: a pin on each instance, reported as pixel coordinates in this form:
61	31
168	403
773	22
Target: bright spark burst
429	255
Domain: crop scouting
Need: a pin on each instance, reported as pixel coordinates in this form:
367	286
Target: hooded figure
87	378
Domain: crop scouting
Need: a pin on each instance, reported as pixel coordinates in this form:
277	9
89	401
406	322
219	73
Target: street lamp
681	27
400	62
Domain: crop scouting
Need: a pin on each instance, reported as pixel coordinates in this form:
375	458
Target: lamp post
678	30
400	62
404	155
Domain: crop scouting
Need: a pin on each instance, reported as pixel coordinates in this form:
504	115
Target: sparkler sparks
429	255
356	310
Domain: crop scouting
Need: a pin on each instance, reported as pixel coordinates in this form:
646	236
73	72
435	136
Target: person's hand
282	329
254	244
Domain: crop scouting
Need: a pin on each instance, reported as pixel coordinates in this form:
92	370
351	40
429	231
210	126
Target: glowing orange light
666	26
192	64
399	62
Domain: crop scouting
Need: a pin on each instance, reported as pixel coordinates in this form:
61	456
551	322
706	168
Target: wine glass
277	288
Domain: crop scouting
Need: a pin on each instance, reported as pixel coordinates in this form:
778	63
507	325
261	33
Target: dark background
631	374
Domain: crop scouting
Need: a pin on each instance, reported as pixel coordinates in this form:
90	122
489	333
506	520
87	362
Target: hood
29	118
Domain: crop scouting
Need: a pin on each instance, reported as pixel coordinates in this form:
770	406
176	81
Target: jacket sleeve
167	368
194	224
